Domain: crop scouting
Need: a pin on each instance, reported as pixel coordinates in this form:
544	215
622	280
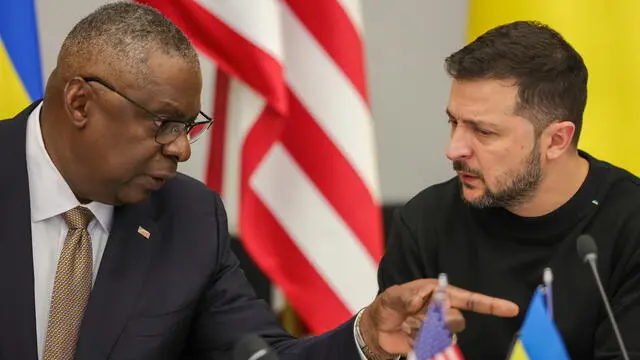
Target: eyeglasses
168	130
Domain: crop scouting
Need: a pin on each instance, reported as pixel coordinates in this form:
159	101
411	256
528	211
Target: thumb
409	298
420	301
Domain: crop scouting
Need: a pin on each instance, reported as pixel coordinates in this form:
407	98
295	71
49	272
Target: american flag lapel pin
144	232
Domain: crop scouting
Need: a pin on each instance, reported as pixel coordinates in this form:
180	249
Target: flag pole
547	278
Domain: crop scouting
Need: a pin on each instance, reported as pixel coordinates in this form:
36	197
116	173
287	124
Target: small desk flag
434	341
539	339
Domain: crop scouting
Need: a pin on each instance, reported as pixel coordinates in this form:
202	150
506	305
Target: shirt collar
50	194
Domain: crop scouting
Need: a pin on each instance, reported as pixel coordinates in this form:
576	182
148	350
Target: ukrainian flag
539	338
606	34
20	70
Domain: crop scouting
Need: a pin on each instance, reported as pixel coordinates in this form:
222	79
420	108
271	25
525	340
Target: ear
558	138
76	95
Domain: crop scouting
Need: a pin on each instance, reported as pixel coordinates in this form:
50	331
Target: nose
179	149
459	145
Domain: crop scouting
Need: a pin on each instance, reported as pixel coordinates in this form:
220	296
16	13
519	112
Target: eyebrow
474	122
169	110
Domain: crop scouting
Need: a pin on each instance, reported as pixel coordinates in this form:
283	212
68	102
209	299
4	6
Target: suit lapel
17	310
119	280
120	275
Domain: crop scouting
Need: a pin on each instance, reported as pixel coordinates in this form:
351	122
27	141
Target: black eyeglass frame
159	121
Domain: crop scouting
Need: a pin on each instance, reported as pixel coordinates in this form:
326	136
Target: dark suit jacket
178	295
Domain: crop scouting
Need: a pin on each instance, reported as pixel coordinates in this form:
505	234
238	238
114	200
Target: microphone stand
591	259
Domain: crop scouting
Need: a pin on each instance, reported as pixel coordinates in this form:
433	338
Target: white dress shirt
50	197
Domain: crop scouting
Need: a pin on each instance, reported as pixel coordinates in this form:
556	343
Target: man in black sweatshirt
523	194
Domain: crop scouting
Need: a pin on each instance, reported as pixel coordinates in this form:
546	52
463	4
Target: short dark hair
121	34
550	74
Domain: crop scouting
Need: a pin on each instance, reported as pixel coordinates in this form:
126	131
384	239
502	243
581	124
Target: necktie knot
78	218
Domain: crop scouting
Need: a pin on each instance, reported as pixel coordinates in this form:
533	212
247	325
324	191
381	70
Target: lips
154	183
466	177
157	180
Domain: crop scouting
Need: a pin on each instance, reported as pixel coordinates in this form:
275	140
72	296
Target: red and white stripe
292	148
450	353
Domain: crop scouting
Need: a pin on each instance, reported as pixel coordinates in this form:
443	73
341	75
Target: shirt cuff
355	335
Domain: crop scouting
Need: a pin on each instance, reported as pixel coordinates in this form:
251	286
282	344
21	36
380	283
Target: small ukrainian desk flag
20	69
539	339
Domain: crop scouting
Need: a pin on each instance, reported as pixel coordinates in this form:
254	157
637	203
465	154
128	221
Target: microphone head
252	347
586	247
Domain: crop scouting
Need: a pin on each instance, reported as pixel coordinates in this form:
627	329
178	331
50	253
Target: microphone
252	347
588	252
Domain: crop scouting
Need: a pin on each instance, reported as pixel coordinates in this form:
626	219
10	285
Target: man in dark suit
108	253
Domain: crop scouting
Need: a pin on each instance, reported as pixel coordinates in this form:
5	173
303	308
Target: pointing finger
483	304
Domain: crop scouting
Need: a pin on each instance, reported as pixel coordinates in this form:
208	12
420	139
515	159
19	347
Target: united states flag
434	342
292	149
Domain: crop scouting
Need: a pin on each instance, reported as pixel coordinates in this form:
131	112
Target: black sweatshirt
495	252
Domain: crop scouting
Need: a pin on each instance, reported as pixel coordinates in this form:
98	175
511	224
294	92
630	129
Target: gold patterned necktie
71	287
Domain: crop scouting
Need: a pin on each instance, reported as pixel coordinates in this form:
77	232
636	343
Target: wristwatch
370	355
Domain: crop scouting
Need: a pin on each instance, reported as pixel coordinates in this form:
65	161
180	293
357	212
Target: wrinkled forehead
483	97
169	82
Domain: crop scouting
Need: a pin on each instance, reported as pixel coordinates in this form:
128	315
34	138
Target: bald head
118	38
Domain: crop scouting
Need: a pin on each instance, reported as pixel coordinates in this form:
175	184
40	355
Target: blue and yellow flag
539	339
20	69
607	35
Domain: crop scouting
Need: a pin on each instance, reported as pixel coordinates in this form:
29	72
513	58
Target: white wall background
406	42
